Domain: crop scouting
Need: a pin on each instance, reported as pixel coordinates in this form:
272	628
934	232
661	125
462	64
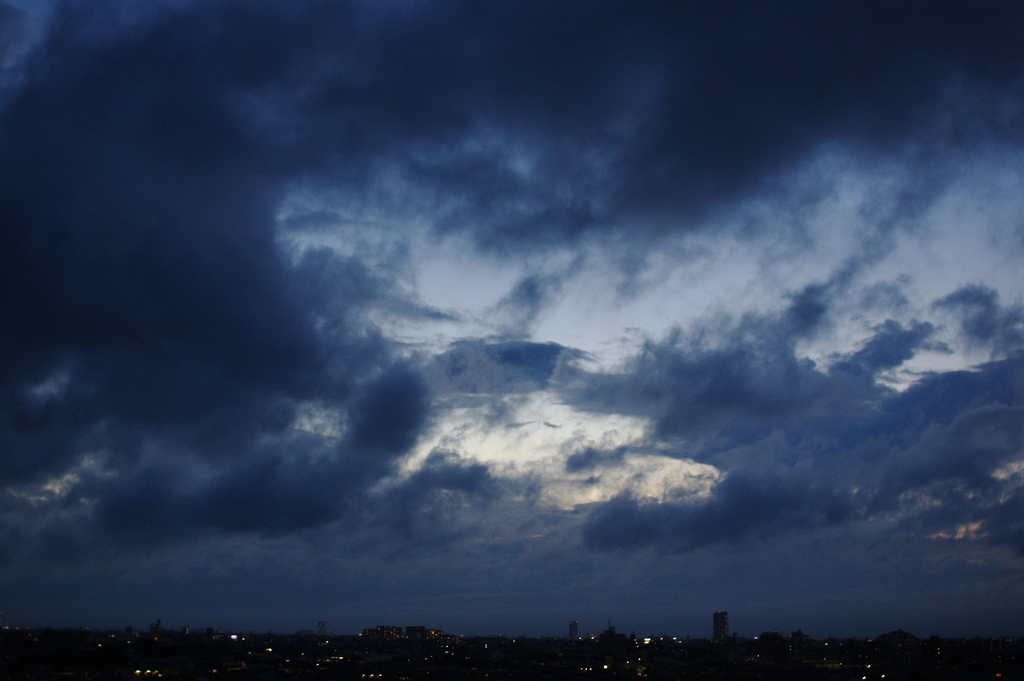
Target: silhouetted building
574	630
383	633
772	647
932	649
416	632
898	640
321	628
611	640
720	626
799	642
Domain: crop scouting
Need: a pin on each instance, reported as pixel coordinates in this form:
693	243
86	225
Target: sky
491	316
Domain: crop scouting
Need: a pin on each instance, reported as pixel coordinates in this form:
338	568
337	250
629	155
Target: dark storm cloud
429	506
686	107
527	299
282	482
1005	524
803	446
390	414
890	347
590	458
733	376
839	448
741	507
200	378
955	422
141	291
507	367
532	123
150	322
983	320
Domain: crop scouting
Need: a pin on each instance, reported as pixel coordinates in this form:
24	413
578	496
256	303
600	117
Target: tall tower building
321	628
574	630
720	626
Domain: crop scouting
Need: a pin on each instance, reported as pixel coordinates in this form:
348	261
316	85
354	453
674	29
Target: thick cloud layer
931	455
805	446
533	284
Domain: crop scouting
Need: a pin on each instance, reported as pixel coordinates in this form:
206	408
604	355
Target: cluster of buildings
412	633
719	629
389	653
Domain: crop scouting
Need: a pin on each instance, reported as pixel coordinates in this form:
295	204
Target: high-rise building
720	626
321	628
384	633
574	630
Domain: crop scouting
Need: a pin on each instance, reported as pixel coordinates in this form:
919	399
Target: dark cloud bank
160	343
806	447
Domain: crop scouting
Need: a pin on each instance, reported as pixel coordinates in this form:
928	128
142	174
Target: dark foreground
63	655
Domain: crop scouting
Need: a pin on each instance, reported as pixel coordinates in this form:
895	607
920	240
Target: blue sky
489	316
